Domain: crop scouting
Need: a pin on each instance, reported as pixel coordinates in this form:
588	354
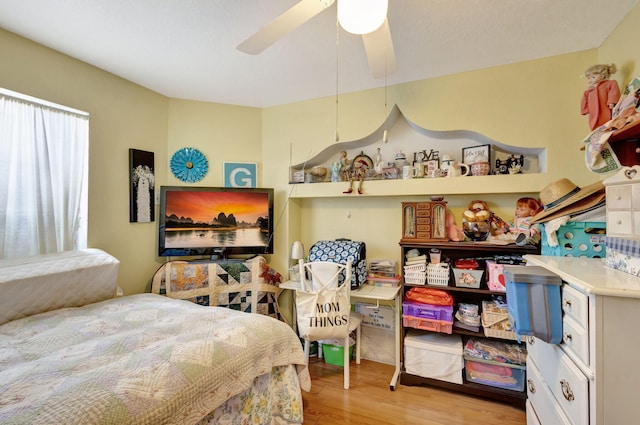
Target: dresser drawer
542	408
619	197
575	304
569	386
575	338
619	222
635	197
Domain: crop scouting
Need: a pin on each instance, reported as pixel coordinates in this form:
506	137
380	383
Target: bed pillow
47	282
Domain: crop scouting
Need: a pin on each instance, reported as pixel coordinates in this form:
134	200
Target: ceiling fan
377	40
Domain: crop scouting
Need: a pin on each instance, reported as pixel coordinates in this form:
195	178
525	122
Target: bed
72	353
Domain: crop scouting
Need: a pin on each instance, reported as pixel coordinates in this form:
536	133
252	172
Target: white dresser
593	376
623	203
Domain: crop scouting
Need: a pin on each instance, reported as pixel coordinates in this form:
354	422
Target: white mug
407	172
418	170
455	170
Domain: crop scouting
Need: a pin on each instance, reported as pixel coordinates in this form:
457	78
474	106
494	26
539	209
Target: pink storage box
427	325
495	278
427	311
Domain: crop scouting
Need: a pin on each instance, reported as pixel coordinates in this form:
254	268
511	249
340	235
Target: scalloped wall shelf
407	137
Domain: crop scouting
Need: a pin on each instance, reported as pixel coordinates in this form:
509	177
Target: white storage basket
415	278
415	268
438	274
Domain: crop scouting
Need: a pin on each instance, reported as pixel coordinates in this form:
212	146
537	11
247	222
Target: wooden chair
317	275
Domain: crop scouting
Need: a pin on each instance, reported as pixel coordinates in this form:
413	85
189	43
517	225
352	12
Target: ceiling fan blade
291	19
380	52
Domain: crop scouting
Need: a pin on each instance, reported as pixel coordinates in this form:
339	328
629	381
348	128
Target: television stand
220	254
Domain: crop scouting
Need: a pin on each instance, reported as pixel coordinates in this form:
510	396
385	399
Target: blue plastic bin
534	302
577	239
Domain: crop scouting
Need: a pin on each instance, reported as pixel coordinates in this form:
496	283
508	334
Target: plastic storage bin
427	311
534	302
577	239
427	324
334	354
435	356
501	375
495	277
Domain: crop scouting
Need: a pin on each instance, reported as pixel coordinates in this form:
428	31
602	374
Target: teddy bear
478	222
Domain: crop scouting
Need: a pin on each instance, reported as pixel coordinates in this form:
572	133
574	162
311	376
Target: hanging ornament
189	165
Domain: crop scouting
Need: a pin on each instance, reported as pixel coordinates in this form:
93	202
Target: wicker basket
497	332
438	275
491	314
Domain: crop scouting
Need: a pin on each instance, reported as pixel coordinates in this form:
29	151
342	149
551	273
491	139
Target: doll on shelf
601	95
526	208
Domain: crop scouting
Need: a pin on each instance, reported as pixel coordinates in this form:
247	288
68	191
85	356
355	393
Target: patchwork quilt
249	286
140	359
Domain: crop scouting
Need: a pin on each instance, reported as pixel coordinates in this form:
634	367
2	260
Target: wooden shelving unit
454	251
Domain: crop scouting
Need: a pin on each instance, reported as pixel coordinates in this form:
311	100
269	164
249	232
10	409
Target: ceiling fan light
362	16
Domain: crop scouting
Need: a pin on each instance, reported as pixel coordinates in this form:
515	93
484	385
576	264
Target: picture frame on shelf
470	153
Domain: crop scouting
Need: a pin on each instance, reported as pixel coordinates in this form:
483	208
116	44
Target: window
43	176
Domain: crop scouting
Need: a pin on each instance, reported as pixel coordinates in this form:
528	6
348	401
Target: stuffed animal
477	211
454	233
479	222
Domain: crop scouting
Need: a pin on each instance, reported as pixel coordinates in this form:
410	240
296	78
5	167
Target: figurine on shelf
601	95
335	171
357	171
401	159
526	208
379	164
515	164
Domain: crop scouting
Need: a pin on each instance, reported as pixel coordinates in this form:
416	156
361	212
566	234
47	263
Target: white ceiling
187	48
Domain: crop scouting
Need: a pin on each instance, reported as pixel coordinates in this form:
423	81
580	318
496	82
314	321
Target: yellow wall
529	104
221	132
123	116
619	48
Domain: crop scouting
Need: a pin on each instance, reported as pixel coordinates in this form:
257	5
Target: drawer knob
566	390
568	337
530	340
531	386
618	198
567	303
618	221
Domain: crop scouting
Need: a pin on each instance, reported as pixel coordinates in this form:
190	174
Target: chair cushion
355	319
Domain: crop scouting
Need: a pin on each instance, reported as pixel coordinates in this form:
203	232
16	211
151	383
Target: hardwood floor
370	401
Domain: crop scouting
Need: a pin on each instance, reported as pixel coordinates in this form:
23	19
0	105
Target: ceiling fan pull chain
337	136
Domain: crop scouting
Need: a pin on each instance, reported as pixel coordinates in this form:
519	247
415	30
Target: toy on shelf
454	232
479	222
601	95
357	171
520	230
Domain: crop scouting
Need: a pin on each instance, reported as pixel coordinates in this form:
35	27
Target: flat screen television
215	221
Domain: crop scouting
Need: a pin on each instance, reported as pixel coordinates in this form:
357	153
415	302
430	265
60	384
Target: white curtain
43	177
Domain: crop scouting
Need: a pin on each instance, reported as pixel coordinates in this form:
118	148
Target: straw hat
564	197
